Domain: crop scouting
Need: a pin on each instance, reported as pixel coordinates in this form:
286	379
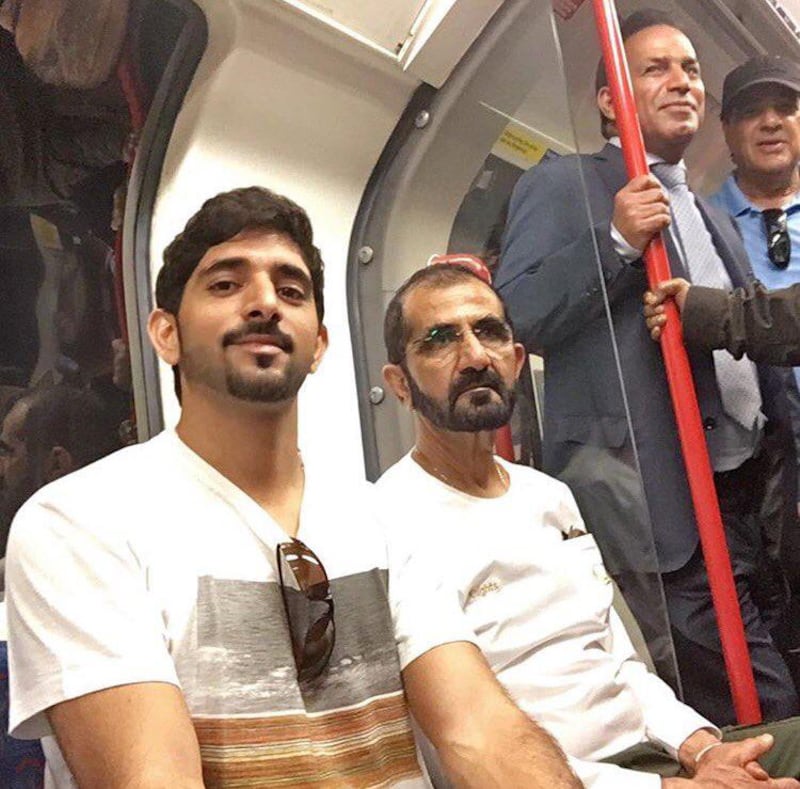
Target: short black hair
61	415
395	329
220	219
631	25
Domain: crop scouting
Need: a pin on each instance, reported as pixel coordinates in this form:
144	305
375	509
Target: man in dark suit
560	241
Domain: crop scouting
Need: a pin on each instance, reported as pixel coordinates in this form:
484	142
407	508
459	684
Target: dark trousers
762	599
781	761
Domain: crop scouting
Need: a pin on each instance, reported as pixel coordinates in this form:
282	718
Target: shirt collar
738	202
735	200
651	158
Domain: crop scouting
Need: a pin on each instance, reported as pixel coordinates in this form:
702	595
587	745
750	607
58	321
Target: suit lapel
610	167
732	262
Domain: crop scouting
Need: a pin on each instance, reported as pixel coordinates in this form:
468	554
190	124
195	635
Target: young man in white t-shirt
228	623
509	544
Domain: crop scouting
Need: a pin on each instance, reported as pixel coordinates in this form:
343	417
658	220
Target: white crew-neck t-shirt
540	608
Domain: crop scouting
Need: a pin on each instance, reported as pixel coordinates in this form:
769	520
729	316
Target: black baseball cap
758	71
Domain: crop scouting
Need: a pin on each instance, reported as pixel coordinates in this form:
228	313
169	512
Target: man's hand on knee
733	765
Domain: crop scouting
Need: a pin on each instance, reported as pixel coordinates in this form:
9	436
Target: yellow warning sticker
517	143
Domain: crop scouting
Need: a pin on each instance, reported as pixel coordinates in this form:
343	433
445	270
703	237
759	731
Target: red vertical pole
503	444
684	398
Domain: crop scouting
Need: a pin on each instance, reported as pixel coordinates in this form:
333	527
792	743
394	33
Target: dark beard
254	388
268	389
265	390
480	413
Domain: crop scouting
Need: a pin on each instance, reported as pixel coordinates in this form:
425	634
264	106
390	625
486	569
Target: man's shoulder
559	169
340	521
396	476
525	476
568	179
404	495
725	198
111	488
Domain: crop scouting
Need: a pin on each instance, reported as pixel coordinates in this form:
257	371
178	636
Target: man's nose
472	352
679	79
260	299
771	118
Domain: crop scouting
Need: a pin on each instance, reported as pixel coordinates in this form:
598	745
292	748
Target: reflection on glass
72	92
61	162
69	84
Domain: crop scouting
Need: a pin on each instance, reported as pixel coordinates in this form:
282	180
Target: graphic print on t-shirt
258	727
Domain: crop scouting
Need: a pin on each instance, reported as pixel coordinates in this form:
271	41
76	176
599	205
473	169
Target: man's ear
727	133
519	358
605	104
321	347
57	463
162	326
395	378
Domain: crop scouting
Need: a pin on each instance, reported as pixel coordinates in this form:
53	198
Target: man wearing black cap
761	121
561	269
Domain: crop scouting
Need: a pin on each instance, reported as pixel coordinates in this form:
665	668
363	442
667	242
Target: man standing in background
761	121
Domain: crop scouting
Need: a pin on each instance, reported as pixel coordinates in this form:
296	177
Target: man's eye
292	292
222	286
492	331
440	337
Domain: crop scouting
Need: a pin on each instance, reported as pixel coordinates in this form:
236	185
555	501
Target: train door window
88	92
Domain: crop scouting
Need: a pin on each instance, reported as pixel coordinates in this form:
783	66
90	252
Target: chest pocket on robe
533	596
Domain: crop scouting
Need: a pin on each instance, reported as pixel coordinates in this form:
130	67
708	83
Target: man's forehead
253	244
660	41
427	305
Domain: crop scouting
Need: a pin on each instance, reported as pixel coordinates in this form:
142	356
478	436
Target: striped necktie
737	379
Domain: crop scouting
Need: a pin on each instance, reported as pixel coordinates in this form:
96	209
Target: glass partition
754	473
488	166
505	115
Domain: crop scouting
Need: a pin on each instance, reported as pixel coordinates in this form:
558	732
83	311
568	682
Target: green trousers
782	761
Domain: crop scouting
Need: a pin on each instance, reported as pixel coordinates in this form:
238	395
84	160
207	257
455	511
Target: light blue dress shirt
731	199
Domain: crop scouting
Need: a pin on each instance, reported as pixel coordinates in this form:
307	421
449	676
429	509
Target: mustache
470	379
281	339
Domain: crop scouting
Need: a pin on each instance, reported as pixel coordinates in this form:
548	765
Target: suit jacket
556	249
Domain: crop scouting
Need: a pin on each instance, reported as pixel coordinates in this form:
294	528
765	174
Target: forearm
483	739
516	752
668	722
763	324
137	736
